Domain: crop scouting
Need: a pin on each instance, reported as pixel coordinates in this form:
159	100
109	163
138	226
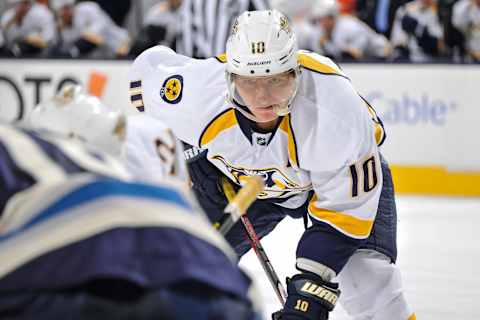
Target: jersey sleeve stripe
380	134
136	97
313	64
286	126
345	223
30	157
222	122
135	84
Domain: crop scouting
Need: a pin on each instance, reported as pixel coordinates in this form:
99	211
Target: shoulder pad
317	63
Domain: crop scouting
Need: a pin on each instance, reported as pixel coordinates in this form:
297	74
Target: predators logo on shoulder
172	88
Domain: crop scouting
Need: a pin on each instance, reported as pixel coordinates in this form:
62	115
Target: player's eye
247	83
276	81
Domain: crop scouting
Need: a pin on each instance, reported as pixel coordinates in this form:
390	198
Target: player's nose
262	93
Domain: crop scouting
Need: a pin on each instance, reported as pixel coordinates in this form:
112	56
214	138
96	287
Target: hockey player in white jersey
466	18
293	118
86	30
81	239
417	33
28	27
344	36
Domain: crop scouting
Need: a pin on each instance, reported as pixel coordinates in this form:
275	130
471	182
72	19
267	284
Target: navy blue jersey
69	215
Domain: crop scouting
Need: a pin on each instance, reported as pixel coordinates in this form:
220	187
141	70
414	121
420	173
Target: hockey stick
239	203
257	246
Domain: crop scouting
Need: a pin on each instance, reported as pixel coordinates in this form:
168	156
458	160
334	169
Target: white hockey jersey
92	23
466	18
327	143
151	152
352	35
426	17
37	27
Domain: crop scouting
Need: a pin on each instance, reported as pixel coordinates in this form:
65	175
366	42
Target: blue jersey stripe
100	189
56	154
12	178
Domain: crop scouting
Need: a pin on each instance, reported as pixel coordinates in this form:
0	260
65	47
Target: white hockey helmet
73	113
261	43
324	8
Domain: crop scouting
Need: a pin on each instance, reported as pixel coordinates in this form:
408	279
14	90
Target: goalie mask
74	114
262	54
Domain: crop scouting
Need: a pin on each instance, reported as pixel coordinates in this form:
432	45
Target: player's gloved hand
409	24
206	179
309	298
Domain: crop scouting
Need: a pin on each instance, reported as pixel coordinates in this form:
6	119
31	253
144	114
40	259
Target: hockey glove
309	298
206	179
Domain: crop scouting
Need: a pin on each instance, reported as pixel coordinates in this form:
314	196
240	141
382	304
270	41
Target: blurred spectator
206	24
2	46
28	28
417	33
298	12
347	6
345	37
160	27
466	18
87	31
379	14
116	9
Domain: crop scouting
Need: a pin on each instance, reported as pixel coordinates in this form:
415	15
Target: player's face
174	4
327	23
428	3
261	94
66	14
22	8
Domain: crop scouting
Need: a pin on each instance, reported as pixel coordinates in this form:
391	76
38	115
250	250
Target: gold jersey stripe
358	228
311	63
379	130
222	122
413	317
378	133
286	127
222	57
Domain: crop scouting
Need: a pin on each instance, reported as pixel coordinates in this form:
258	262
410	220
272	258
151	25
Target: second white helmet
73	113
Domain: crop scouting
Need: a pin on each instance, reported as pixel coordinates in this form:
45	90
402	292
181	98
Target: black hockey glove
206	179
409	24
309	298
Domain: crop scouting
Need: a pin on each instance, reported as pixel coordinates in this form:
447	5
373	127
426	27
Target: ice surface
439	256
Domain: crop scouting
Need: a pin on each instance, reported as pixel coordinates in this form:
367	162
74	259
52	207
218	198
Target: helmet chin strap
281	109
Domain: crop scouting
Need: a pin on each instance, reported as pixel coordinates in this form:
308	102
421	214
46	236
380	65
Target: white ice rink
439	256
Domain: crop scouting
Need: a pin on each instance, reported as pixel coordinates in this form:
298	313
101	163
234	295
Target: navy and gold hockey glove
309	298
205	178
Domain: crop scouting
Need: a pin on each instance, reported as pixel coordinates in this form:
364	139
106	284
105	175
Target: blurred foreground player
80	240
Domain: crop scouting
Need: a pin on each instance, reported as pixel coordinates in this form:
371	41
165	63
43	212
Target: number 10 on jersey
368	173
